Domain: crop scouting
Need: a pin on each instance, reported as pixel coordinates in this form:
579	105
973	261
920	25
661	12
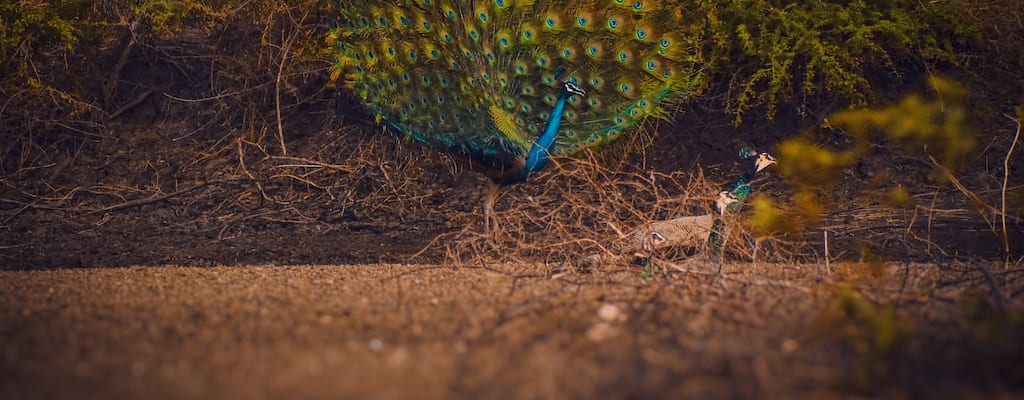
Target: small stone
376	344
610	313
788	346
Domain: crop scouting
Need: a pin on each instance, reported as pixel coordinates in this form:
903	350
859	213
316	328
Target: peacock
732	197
507	84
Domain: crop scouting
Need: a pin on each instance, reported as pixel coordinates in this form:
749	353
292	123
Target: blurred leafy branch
876	332
934	124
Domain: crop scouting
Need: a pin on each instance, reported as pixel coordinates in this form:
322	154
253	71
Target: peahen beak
725	198
765	160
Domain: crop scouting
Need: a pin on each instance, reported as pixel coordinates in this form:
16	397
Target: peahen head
764	160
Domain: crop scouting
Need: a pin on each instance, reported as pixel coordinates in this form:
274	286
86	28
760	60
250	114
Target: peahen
690	230
507	84
732	197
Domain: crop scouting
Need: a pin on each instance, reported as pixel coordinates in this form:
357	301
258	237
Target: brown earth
135	266
390	331
178	251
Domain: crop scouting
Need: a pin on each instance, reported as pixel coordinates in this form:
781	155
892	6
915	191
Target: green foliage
34	36
165	17
44	32
26	26
781	50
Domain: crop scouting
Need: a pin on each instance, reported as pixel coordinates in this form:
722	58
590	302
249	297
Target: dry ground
513	331
140	251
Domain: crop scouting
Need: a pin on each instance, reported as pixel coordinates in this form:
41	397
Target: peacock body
508	83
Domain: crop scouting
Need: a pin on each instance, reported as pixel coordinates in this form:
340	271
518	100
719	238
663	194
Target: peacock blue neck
539	153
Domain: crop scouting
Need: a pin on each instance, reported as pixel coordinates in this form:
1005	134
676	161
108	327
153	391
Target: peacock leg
492	196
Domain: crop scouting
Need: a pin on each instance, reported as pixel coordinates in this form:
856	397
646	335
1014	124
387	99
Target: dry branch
1006	182
151	200
132	104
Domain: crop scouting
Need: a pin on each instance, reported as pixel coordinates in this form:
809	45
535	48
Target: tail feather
470	76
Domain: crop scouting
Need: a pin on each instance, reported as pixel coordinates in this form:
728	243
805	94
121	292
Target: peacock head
764	160
725	199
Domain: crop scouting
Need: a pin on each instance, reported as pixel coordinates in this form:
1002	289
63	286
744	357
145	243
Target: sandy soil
420	331
140	259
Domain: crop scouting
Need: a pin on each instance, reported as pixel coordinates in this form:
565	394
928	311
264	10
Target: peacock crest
497	80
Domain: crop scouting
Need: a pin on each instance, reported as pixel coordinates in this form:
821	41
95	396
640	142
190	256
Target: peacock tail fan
483	79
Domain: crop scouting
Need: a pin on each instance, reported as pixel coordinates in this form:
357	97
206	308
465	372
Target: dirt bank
510	331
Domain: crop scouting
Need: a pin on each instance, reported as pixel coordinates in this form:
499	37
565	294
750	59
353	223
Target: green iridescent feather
480	78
